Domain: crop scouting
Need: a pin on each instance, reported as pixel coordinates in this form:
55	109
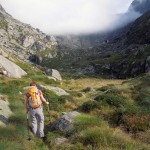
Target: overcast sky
66	16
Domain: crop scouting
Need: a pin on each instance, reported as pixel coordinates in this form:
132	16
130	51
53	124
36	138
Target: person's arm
26	103
43	99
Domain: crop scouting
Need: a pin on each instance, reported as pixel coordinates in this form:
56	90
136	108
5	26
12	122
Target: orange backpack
34	99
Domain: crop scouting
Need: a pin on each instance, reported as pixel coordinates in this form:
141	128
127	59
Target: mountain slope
22	39
139	32
126	54
141	6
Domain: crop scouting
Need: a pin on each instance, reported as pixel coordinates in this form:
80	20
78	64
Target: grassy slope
99	127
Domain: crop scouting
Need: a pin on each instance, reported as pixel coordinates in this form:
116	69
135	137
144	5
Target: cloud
66	16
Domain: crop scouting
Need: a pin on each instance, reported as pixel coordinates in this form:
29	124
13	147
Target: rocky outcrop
23	39
10	69
53	73
58	91
65	123
5	111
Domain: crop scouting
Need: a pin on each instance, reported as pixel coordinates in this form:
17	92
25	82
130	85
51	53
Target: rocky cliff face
24	40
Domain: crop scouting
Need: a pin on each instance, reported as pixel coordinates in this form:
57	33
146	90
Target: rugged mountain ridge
23	40
125	55
132	48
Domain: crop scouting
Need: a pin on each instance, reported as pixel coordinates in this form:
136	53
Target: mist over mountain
135	10
109	53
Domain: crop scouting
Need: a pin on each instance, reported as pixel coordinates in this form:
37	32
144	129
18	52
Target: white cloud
66	16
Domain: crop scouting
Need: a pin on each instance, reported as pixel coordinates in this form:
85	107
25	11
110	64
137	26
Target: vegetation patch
89	106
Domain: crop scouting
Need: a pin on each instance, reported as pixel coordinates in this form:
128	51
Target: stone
58	91
11	69
65	123
27	41
54	73
60	140
5	112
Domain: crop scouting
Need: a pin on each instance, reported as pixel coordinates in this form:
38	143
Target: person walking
33	100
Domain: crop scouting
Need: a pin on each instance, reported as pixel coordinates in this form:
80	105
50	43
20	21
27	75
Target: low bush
89	106
136	122
111	100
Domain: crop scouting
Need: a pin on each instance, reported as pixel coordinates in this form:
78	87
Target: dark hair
33	83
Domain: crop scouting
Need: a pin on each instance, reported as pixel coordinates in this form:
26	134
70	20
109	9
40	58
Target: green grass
112	107
94	132
85	121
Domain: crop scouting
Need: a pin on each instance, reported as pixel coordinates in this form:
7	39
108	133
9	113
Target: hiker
33	104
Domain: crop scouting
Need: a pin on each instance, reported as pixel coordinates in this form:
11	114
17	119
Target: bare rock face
5	112
10	69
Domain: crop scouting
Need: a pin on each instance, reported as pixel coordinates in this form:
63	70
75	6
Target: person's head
33	83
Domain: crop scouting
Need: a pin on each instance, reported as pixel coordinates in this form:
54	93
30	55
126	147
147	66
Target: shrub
89	106
110	90
144	100
136	122
111	99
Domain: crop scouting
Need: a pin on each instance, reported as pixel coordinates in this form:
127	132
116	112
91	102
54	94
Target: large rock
5	112
54	73
65	123
10	69
27	41
58	91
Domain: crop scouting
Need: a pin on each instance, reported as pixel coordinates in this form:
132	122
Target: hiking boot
44	139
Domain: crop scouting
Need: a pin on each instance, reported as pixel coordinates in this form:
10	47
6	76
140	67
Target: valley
97	86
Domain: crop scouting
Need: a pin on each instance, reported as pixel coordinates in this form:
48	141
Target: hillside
141	6
139	32
114	113
23	40
102	101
